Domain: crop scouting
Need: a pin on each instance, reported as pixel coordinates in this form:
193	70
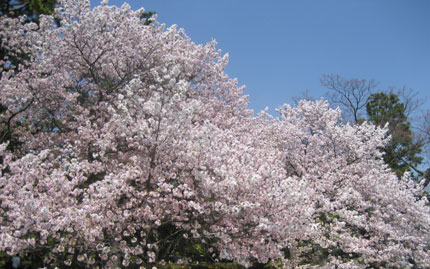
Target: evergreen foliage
386	109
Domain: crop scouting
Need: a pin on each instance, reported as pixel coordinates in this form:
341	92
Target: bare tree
410	99
424	129
426	125
424	132
304	95
351	95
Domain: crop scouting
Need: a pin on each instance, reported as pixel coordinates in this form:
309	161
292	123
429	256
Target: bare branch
423	129
410	98
350	95
305	95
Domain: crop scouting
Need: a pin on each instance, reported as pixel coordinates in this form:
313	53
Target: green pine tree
401	153
31	8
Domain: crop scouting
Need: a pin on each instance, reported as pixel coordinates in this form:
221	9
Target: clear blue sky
280	48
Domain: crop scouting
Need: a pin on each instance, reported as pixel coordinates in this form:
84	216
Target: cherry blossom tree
364	215
133	143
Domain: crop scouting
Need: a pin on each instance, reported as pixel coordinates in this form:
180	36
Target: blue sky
280	48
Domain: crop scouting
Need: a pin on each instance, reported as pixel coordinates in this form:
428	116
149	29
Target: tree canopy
360	101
